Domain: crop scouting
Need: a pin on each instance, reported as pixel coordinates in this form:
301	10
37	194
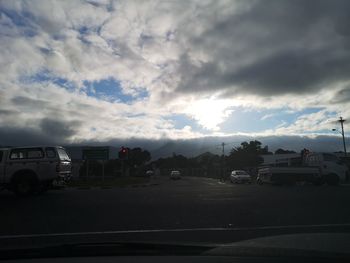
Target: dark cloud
49	131
14	136
274	47
7	112
342	96
59	129
292	73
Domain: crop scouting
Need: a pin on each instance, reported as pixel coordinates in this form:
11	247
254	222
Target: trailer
289	175
316	168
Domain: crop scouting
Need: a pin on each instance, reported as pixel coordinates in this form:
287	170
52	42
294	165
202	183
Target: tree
207	160
247	155
281	151
180	161
138	157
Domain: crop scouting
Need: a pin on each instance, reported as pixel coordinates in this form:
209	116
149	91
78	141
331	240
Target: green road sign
96	153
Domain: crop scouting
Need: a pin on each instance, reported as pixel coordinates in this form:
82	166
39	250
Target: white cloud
90	118
309	123
267	116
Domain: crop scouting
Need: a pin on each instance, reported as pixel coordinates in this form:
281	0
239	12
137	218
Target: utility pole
341	120
223	162
223	148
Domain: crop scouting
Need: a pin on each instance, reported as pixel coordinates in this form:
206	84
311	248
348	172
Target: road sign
96	153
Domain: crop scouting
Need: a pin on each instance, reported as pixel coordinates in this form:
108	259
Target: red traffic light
123	153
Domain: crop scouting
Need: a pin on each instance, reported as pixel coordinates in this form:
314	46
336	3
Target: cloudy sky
77	71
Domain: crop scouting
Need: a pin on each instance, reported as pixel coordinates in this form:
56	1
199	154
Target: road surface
186	203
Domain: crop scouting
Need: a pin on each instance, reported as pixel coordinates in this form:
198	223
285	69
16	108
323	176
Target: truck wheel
319	181
332	179
43	188
290	180
24	185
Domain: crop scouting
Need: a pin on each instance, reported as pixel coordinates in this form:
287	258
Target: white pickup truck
25	170
316	168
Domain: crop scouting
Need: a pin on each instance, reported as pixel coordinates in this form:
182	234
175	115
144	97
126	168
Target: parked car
240	176
149	173
25	170
175	175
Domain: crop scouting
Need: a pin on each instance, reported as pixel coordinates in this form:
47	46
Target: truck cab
330	166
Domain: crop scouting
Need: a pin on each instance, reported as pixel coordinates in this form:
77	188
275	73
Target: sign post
123	155
87	169
97	154
123	172
103	170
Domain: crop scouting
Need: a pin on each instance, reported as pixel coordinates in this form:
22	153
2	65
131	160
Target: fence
79	172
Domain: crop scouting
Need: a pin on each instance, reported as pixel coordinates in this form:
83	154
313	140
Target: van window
63	155
18	154
34	153
50	152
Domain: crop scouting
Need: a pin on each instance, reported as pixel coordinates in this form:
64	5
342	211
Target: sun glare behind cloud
209	112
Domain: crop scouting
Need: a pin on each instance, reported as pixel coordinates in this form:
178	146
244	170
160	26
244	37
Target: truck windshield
63	155
330	157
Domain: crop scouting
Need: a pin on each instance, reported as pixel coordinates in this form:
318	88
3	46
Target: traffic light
123	153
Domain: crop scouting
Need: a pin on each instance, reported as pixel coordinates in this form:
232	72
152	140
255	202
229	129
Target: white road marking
177	230
220	199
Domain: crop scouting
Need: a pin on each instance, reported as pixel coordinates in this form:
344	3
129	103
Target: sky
96	71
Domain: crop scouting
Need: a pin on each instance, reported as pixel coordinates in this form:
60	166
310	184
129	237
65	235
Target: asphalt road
187	203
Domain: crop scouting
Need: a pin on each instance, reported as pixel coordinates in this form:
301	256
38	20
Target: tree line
247	155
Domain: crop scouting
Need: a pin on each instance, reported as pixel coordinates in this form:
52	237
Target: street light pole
341	120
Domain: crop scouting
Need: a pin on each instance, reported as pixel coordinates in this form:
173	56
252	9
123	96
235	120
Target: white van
25	170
